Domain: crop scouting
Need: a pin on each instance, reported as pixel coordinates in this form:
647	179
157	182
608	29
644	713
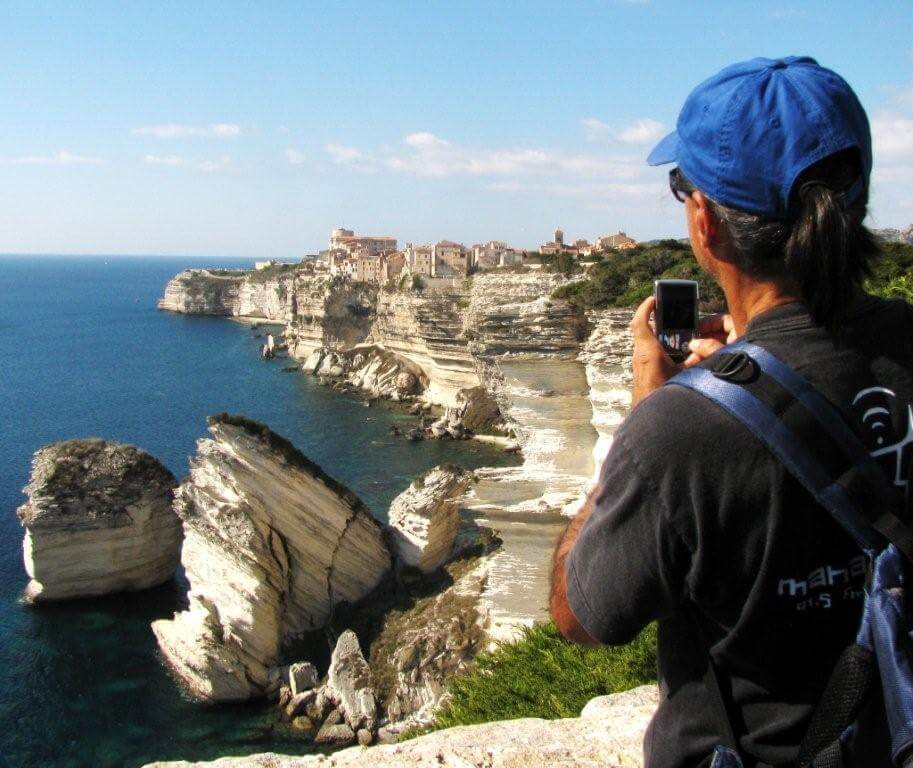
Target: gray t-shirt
694	516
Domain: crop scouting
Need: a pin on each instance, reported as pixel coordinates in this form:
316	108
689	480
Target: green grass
543	675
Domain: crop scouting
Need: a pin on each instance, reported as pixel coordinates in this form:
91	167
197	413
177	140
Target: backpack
818	447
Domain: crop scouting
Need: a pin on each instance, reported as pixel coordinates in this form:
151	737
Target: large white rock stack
98	520
425	518
272	543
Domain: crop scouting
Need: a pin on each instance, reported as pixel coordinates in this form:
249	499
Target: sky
253	129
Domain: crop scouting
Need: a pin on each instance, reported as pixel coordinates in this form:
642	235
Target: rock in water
98	520
349	683
425	518
272	543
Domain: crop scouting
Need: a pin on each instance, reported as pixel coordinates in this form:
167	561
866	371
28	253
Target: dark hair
823	247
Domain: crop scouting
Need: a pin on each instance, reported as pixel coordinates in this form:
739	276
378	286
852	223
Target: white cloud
591	192
283	129
171	160
294	156
642	131
595	130
351	157
423	139
177	131
425	154
893	139
63	157
211	166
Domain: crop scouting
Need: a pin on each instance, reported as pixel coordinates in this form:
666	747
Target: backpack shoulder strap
810	437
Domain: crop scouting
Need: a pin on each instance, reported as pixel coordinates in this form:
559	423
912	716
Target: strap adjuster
737	367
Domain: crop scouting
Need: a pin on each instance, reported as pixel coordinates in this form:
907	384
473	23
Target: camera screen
678	306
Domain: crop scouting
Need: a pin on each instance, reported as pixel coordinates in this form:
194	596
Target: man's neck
749	298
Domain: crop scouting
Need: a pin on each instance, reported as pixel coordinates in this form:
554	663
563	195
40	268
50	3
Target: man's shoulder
674	422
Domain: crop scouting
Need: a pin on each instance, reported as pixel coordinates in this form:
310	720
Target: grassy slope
542	675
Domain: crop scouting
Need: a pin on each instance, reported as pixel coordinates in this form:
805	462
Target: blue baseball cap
746	134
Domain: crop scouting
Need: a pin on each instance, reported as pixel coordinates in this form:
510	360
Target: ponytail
823	248
828	252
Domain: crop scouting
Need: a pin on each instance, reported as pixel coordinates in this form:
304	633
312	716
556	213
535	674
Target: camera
676	315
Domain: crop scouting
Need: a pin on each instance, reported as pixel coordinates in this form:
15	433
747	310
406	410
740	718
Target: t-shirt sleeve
629	564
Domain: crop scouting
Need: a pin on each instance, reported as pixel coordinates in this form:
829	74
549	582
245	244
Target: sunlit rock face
98	520
327	312
556	380
607	357
424	519
272	543
204	292
428	329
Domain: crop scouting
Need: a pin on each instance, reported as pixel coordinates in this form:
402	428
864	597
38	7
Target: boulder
302	677
479	410
335	736
98	520
424	519
312	362
349	683
272	544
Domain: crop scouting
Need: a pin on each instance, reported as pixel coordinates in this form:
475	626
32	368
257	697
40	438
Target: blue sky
255	128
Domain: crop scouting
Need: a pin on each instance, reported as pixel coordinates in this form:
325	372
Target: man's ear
706	224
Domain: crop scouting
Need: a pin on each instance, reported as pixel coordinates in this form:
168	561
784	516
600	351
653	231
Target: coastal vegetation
543	675
625	278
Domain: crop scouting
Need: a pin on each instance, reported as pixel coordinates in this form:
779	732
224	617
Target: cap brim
666	151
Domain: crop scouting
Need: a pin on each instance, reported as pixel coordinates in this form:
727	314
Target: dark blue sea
83	351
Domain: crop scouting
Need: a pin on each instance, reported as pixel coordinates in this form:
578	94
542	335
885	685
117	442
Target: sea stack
98	520
272	543
425	518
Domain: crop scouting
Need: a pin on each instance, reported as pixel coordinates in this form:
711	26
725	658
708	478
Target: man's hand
651	364
715	332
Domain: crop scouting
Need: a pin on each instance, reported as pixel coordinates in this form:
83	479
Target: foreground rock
425	518
272	543
98	520
609	734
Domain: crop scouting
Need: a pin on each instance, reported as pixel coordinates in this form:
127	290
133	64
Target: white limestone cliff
98	520
272	543
546	374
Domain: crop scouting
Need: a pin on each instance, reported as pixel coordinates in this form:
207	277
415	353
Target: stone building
619	241
451	259
494	254
420	259
361	245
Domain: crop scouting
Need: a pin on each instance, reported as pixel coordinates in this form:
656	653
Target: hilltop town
377	259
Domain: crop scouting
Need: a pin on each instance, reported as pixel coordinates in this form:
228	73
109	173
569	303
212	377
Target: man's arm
561	611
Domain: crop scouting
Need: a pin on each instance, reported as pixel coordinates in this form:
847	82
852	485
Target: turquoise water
83	351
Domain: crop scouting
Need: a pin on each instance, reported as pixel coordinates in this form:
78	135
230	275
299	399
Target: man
694	523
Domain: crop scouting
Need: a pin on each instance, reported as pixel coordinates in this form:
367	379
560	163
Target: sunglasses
679	185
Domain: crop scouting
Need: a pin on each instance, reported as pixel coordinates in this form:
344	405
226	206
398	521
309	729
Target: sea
84	352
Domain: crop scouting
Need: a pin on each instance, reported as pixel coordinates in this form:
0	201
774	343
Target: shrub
543	675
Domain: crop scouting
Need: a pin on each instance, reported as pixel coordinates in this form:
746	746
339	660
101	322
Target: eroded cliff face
328	313
203	292
232	293
98	520
558	376
271	544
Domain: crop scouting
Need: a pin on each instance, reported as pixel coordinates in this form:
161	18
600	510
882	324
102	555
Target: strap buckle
737	367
